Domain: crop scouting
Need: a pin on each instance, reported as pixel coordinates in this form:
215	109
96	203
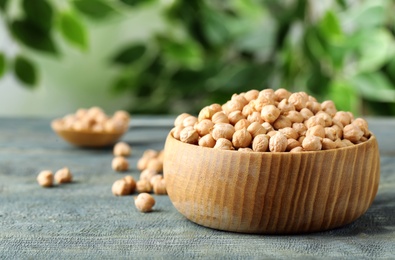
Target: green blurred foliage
339	50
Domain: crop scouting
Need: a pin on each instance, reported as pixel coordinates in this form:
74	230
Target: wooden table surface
84	220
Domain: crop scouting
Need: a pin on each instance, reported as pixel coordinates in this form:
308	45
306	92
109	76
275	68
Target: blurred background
173	56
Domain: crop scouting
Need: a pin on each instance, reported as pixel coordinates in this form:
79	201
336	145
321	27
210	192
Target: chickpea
120	164
189	135
297	149
363	125
142	163
241	139
268	94
251	95
289	132
120	188
215	107
278	143
328	144
121	115
235	117
281	94
240	99
300	128
144	202
205	113
176	132
268	127
282	122
255	117
232	105
306	113
220	117
246	150
247	110
143	186
243	123
314	107
122	149
155	178
299	100
204	126
223	144
331	133
179	120
329	107
294	116
260	143
223	130
147	174
270	113
189	121
63	175
130	181
343	117
45	178
312	143
347	142
317	130
352	132
256	129
207	141
313	121
155	164
159	187
150	153
292	143
327	118
285	106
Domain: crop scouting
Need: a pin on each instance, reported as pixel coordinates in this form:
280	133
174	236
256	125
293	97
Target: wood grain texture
273	193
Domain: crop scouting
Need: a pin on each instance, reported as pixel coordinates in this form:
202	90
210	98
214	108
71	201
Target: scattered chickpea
122	149
63	175
159	187
147	174
155	164
144	202
143	186
142	163
120	164
130	181
121	188
155	178
45	178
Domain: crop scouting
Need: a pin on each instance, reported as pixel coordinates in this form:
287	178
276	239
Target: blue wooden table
84	220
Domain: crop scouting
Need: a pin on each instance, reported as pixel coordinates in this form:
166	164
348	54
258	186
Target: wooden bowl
272	193
87	138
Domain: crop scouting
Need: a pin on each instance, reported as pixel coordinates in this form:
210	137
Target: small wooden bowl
272	193
87	138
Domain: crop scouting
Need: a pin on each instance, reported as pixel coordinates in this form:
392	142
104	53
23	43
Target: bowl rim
372	138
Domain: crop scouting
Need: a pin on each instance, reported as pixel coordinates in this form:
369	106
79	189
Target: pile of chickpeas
94	120
271	121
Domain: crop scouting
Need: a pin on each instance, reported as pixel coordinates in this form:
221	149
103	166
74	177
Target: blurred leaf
214	26
186	54
330	26
2	64
39	13
33	37
368	14
375	86
130	54
344	96
3	4
25	70
73	30
96	9
374	49
136	2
